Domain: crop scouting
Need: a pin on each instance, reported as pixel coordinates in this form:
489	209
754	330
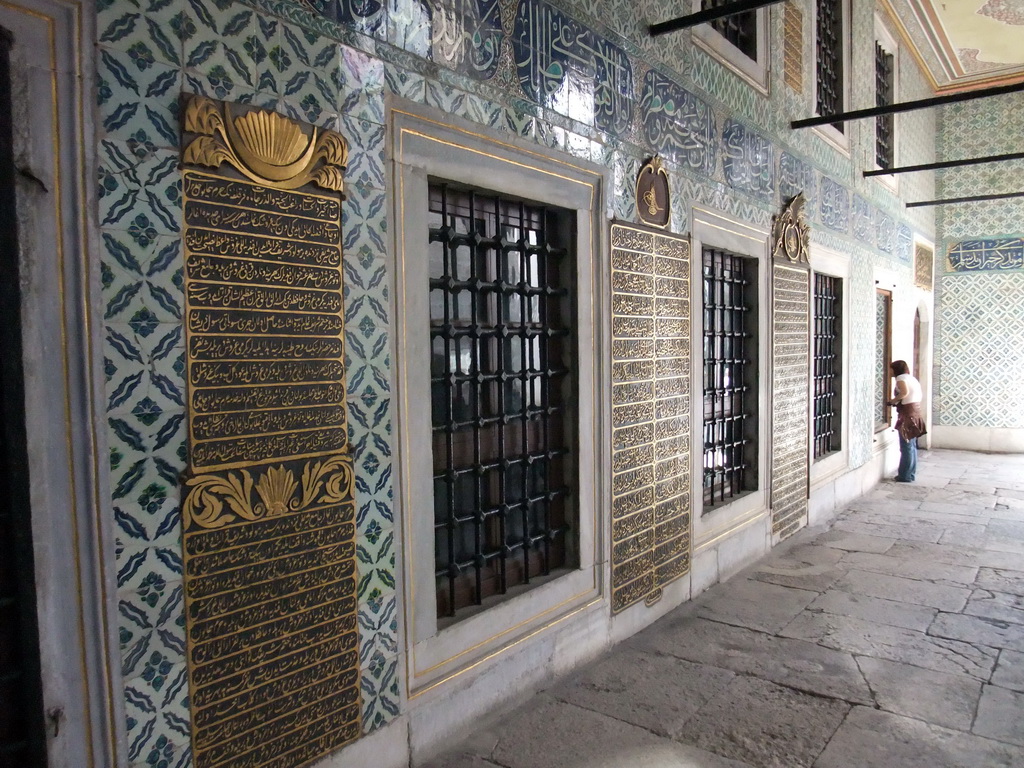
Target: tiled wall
606	92
980	270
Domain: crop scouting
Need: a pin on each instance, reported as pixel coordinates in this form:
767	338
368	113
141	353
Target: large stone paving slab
996	605
798	664
1009	672
765	724
654	691
754	604
856	542
1001	715
553	734
919	568
979	630
893	643
875	609
872	739
914	532
940	596
936	697
1001	580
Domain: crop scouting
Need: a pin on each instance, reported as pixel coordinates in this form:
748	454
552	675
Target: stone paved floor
893	639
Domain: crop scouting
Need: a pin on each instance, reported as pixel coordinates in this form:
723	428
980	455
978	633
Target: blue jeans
907	472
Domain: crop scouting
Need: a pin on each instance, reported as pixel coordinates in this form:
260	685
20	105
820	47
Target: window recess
730	428
827	362
502	394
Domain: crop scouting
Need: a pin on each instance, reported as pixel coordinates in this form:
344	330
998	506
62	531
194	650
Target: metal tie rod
971	199
908	106
708	14
946	164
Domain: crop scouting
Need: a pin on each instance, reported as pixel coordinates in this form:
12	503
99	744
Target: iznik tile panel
835	205
650	413
796	176
790	385
748	160
679	125
996	254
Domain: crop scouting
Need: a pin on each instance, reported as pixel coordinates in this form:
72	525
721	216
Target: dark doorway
22	739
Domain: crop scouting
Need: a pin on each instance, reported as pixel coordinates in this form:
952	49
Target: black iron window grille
730	376
740	29
830	58
502	391
884	96
827	401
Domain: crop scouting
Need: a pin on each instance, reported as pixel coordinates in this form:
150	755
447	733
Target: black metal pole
946	164
908	106
972	199
708	14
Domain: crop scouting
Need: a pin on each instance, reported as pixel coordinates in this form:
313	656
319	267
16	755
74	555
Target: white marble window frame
839	140
714	229
426	144
754	71
887	40
830	262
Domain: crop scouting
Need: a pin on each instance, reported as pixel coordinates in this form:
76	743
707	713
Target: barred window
884	96
502	393
827	397
830	55
740	29
730	376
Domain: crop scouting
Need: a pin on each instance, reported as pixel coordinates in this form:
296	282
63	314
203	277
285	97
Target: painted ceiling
967	42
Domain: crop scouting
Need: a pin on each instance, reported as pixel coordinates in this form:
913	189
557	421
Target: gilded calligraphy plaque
650	413
652	194
793	46
268	499
791	327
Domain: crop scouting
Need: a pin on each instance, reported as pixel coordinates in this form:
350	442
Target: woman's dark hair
899	367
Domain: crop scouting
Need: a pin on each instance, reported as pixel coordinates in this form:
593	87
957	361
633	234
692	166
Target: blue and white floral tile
156	732
147	30
403	83
138	101
550	136
380	688
150	366
148	565
366	152
359	84
152	621
378	624
141	276
140	195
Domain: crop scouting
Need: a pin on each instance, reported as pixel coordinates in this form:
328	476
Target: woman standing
909	420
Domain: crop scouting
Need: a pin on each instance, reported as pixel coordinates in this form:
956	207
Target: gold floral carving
215	500
791	234
264	146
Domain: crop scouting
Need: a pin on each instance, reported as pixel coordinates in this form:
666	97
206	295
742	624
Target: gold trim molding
264	146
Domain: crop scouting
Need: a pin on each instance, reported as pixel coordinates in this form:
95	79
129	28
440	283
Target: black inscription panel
268	505
264	304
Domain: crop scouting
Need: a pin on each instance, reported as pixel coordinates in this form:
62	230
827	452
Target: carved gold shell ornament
791	235
266	147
